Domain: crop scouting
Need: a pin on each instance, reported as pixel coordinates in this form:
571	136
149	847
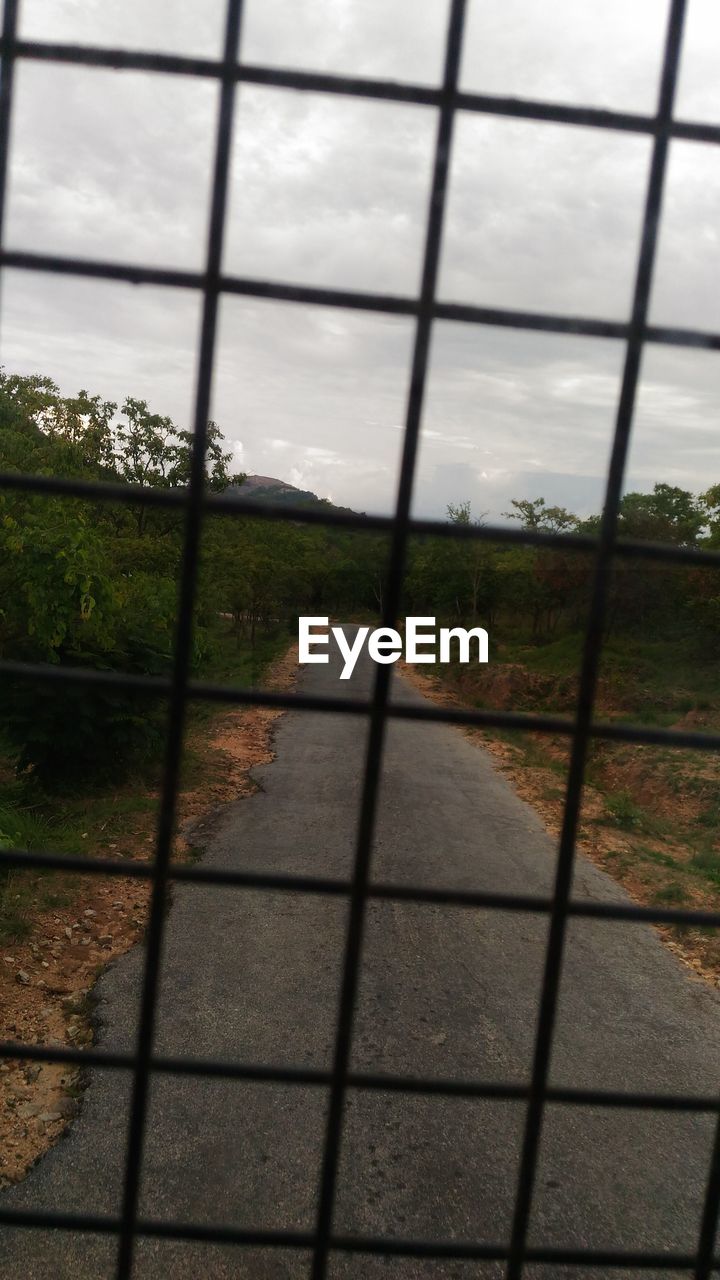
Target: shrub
64	733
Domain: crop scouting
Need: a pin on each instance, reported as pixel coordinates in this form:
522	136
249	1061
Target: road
253	976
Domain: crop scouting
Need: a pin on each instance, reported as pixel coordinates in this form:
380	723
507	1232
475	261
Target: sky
334	192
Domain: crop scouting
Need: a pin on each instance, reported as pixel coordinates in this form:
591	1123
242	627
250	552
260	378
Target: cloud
333	191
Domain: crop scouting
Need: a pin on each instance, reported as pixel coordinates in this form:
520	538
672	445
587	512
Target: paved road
254	976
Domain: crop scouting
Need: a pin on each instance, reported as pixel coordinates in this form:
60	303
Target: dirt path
46	981
252	977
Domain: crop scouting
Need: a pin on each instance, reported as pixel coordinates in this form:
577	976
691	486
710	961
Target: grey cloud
189	27
492	494
401	40
329	192
116	340
687	281
699	87
107	165
334	192
543	217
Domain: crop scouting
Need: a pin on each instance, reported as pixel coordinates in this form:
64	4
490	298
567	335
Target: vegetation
94	584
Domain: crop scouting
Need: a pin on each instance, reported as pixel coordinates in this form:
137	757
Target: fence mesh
425	308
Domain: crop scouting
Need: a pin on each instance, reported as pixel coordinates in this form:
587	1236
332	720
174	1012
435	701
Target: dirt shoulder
46	980
647	816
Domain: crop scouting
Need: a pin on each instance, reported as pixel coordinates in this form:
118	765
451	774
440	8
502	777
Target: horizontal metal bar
170	277
489	1252
354	300
556	1256
103	1224
566	113
274	882
677	337
261	1073
123	273
184	873
581	326
235	505
118	59
157	686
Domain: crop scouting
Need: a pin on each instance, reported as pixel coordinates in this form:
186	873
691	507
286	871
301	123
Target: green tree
535	514
668	514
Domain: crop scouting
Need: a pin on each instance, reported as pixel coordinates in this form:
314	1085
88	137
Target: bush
65	733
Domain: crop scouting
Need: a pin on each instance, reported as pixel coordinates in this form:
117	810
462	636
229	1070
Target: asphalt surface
254	976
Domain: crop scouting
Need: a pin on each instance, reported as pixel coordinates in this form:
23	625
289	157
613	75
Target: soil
46	981
622	854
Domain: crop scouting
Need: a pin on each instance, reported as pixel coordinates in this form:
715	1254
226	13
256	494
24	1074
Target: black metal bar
200	691
183	653
115	59
710	1213
392	1246
593	650
261	1073
354	300
273	882
392	597
236	505
7	75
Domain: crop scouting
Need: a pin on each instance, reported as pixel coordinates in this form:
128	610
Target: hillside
270	489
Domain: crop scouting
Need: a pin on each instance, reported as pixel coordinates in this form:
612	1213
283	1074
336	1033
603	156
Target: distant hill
269	489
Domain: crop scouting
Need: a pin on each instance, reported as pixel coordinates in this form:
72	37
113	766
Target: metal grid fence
448	99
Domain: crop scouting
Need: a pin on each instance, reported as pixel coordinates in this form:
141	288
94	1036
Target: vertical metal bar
7	76
376	734
711	1210
593	646
183	649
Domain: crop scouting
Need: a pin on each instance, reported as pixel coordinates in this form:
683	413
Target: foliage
94	584
86	584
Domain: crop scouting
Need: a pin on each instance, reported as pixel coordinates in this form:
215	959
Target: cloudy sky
333	191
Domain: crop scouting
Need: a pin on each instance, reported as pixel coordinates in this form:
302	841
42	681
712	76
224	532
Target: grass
238	664
655	681
32	822
623	810
710	815
101	820
26	825
656	856
651	813
671	894
706	861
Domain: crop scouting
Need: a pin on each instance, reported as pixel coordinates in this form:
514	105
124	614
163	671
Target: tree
535	514
548	580
151	451
668	514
